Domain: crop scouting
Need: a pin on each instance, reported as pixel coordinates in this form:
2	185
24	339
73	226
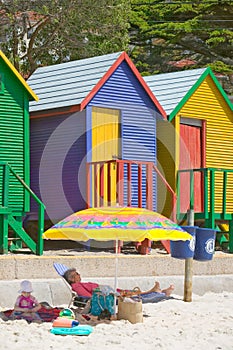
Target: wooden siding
166	164
58	164
208	103
138	124
13	135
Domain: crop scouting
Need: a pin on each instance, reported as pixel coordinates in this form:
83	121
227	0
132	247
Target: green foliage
156	34
169	31
44	32
220	67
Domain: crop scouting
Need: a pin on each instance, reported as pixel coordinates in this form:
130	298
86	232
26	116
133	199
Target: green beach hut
15	193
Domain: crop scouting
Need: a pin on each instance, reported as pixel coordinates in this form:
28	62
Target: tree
41	32
166	31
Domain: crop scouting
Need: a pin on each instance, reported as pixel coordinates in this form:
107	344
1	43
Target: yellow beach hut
195	150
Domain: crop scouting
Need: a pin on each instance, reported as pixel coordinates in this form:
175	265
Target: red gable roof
107	75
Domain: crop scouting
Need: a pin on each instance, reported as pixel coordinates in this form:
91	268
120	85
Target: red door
191	150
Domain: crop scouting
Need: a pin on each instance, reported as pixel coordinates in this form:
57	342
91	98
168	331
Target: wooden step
19	230
5	210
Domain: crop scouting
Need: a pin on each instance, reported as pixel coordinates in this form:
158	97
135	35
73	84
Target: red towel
45	314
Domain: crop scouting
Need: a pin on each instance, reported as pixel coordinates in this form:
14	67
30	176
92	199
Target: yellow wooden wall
208	103
166	163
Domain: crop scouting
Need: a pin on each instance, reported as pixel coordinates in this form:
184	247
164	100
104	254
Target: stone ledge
35	267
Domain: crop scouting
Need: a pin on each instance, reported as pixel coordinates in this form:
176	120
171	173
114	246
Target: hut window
1	83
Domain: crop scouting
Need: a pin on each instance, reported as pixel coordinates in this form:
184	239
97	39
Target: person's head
25	288
72	276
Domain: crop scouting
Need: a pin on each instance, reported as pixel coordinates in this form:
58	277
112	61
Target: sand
204	323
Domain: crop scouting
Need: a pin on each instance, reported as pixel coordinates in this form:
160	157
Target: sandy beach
204	323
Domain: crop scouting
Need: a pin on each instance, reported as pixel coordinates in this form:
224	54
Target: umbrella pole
188	284
116	274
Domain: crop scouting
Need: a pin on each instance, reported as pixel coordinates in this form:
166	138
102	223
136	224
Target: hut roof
76	82
173	89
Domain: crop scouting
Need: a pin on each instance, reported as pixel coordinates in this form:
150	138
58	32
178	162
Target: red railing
99	174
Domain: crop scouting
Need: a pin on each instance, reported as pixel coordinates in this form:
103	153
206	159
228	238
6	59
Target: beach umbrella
116	223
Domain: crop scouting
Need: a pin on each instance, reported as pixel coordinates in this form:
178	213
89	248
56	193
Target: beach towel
43	315
153	297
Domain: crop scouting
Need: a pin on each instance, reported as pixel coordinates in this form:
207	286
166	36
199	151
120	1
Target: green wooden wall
14	135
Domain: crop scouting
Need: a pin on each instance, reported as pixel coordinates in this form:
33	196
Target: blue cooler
184	249
205	244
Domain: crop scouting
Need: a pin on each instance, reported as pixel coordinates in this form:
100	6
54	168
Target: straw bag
131	310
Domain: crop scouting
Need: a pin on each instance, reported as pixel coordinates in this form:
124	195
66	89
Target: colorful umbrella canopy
116	223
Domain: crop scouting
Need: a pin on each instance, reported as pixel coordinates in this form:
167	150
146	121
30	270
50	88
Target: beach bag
102	303
130	309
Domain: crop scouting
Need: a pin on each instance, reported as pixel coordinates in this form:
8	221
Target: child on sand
26	305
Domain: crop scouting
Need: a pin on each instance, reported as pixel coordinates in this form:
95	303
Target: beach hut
200	137
15	193
93	136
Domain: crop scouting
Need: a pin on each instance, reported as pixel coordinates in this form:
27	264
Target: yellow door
105	146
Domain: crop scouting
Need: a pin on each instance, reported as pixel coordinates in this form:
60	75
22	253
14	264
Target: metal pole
189	265
116	276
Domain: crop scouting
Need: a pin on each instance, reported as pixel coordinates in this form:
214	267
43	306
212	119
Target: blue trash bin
184	249
205	244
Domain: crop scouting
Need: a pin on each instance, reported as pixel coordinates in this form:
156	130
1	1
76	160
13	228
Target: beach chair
75	299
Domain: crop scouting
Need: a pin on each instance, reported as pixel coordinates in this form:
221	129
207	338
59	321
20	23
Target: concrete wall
31	266
142	271
55	292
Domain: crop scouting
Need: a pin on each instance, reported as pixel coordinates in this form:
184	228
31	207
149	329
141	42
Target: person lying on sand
85	289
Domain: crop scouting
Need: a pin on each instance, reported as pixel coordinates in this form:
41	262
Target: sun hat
25	286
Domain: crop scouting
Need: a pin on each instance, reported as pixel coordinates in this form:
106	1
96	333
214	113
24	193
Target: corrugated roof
171	88
67	84
76	82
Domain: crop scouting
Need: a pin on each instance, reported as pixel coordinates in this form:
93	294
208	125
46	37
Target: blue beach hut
93	135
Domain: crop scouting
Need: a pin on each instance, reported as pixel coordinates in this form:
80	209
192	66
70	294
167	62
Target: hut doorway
192	156
106	145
